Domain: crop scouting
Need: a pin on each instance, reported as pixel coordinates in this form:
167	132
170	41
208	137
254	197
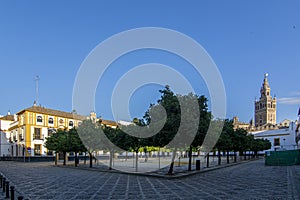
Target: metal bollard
3	183
1	180
197	165
12	192
7	189
20	198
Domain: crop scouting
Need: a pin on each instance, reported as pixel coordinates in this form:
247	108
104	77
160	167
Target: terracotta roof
48	111
109	122
8	118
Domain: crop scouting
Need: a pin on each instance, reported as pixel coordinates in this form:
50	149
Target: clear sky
244	38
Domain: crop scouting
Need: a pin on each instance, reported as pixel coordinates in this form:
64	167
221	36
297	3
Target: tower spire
265	107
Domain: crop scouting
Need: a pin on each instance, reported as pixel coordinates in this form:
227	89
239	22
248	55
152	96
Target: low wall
28	159
282	158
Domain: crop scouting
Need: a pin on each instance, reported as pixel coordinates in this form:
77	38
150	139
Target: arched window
39	119
50	121
71	123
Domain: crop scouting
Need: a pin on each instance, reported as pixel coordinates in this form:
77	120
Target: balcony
38	137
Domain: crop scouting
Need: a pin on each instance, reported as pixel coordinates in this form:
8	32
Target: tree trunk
219	157
227	156
190	159
235	157
76	159
159	158
91	159
207	161
170	172
65	157
136	160
56	158
111	154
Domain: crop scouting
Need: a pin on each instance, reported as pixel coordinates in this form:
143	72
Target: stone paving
251	180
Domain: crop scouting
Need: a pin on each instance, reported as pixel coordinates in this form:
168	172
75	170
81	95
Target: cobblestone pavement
252	180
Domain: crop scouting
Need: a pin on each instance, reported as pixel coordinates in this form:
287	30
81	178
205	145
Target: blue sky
244	38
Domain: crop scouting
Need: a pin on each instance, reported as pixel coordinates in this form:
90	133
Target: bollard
197	165
12	192
1	180
3	183
20	198
207	161
7	189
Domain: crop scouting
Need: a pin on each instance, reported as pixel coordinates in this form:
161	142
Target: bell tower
265	107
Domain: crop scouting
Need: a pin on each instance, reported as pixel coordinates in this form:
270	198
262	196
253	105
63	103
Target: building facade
33	125
265	107
281	139
25	133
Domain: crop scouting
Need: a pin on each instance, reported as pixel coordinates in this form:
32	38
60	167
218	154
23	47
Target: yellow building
34	124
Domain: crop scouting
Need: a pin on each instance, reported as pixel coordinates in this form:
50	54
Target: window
15	138
50	121
71	123
37	134
276	142
21	138
39	119
37	149
51	131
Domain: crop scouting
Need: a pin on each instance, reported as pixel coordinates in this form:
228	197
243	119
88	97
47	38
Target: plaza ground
250	180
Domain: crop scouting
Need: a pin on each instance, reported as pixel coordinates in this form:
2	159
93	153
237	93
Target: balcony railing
38	137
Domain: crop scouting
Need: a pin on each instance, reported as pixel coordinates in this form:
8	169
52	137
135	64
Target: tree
58	142
131	138
113	135
76	144
65	141
203	125
259	145
91	137
170	103
182	121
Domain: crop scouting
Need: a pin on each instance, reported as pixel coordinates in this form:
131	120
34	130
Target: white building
4	145
281	139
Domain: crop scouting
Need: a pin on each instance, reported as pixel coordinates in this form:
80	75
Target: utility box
282	158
